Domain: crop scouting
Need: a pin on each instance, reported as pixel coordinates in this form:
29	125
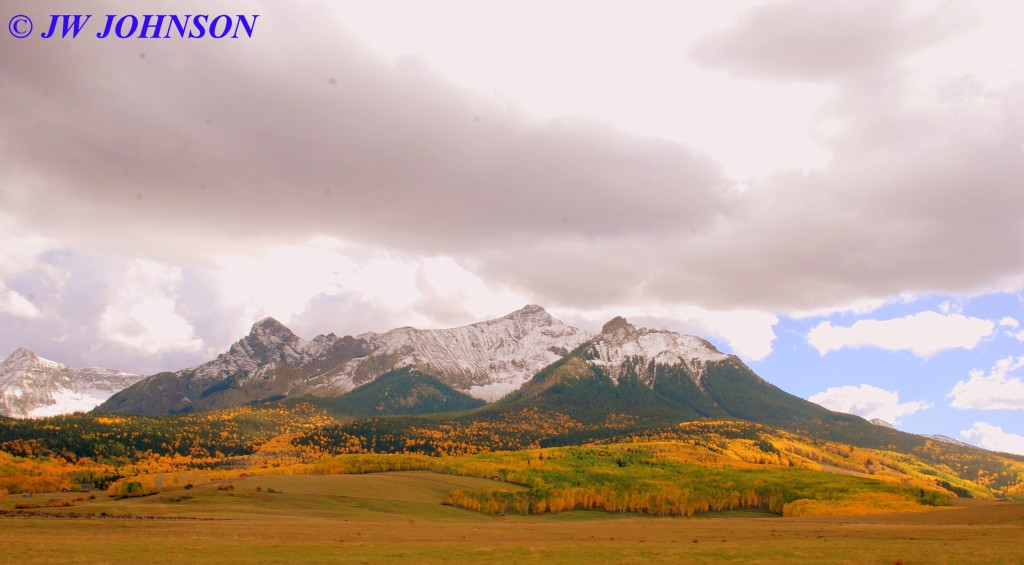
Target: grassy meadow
268	485
401	516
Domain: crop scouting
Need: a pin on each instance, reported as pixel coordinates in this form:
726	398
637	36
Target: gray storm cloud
921	194
279	139
178	150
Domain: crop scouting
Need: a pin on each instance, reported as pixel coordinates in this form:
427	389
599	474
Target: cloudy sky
831	190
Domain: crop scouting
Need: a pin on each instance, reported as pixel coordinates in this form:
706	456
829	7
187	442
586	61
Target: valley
383	518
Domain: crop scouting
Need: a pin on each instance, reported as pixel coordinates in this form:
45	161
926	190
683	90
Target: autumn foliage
543	461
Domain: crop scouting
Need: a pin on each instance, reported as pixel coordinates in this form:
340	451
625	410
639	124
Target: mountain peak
882	423
529	311
269	324
615	324
22	353
23	356
622	343
268	341
270	328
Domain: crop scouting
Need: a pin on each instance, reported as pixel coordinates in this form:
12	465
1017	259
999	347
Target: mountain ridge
486	360
657	375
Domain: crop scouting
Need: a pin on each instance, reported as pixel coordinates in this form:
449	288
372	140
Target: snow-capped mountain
31	386
268	342
656	376
621	346
486	360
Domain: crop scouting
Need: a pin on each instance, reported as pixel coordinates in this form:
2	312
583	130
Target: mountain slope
486	360
655	375
402	391
31	386
660	377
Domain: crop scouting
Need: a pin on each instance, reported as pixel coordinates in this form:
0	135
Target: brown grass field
399	517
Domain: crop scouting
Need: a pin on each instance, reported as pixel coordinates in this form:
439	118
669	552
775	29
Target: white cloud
1012	324
430	293
750	333
291	282
994	438
18	253
279	280
143	316
868	402
924	333
997	390
450	294
21	245
14	304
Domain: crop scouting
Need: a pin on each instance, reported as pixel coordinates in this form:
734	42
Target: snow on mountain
31	386
620	343
486	360
269	341
949	440
318	347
